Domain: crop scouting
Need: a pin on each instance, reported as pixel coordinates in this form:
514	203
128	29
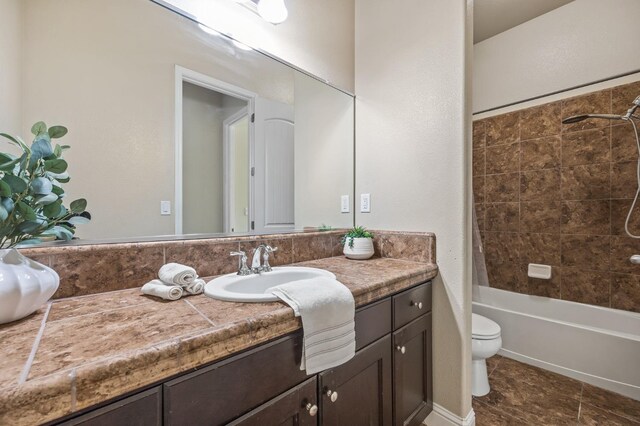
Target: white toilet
486	342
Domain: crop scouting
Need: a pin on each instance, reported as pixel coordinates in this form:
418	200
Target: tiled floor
525	395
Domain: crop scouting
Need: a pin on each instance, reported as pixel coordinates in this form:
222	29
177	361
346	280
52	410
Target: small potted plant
358	243
32	210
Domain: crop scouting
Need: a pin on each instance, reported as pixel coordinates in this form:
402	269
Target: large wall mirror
174	128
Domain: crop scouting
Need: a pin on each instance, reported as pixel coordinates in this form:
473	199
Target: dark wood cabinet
387	382
296	407
142	409
358	393
412	357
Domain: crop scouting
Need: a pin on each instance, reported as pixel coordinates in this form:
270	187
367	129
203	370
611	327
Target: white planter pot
24	285
362	248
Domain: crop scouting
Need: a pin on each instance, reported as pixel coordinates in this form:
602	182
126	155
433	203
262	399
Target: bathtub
600	346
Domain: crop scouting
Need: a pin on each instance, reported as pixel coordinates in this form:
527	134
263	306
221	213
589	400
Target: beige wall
109	77
579	43
318	36
323	154
202	185
240	131
10	66
412	155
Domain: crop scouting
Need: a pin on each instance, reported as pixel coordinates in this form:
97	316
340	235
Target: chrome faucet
243	269
263	250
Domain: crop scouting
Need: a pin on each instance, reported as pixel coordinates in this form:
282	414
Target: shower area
556	185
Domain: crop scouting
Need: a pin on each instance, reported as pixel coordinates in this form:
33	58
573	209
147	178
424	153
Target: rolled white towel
159	289
196	287
177	274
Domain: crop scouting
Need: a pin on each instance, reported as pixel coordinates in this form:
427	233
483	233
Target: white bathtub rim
625	389
633	316
598	330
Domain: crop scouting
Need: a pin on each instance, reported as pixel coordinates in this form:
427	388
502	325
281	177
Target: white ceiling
491	17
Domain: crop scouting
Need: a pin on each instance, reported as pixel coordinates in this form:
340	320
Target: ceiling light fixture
273	11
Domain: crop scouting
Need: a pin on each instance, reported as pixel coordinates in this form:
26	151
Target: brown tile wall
92	269
557	194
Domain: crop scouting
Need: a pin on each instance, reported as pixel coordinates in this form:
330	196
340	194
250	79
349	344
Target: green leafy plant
31	192
357	232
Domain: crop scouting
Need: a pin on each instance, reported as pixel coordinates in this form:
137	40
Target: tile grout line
199	312
27	367
73	375
580	402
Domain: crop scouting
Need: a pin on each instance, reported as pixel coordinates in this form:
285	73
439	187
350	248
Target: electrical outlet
365	203
344	204
165	208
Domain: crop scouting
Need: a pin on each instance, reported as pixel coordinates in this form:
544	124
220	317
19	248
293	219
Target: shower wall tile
540	185
559	195
540	248
586	251
502	129
502	217
479	162
590	182
619	212
579	285
586	217
503	158
478	134
586	147
543	153
543	120
502	188
540	216
623	143
545	288
623	179
593	103
479	189
625	292
623	96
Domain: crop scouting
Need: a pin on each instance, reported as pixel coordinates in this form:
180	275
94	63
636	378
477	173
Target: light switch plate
165	208
365	203
344	204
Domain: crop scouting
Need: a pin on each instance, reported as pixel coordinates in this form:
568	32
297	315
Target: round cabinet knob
417	304
333	396
312	409
401	349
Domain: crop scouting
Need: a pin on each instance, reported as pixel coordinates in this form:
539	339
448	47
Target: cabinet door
412	393
296	407
143	409
359	392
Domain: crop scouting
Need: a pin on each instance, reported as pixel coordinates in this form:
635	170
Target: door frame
182	75
228	178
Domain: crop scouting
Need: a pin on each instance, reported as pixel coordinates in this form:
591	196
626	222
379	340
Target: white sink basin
251	288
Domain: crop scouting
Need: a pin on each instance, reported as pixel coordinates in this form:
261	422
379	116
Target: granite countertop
77	352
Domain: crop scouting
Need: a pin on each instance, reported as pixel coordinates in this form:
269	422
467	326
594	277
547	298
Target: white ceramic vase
362	248
24	285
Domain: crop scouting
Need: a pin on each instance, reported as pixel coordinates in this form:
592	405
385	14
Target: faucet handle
243	269
270	249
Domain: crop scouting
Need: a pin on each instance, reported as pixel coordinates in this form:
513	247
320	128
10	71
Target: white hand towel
327	309
196	287
159	289
177	274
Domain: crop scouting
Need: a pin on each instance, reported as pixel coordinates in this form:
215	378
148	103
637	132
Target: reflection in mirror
174	128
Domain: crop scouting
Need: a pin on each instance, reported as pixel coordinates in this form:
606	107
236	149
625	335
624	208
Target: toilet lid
483	328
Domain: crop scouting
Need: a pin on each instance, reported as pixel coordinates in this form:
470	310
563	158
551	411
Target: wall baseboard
440	416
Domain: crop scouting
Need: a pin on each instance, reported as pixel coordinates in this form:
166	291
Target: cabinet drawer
410	304
297	406
143	409
372	322
224	391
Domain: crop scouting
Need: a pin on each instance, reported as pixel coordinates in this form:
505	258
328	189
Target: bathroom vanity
388	382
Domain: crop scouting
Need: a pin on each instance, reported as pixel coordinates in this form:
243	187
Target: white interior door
273	180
